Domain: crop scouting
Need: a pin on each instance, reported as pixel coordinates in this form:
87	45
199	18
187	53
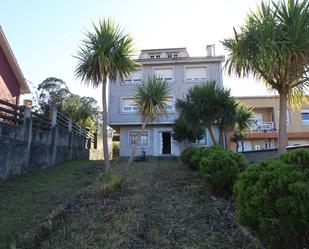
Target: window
143	142
155	56
305	116
172	55
134	78
166	74
129	105
193	74
170	105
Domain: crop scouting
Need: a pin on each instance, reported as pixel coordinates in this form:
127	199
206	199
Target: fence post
95	144
27	133
71	141
54	134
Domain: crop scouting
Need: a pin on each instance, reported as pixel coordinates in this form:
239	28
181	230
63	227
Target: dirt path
164	205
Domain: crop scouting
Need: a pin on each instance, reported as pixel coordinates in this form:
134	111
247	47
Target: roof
4	44
180	60
257	97
163	49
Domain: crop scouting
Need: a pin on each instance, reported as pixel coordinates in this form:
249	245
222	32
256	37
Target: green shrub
240	159
193	156
299	157
219	170
272	197
186	155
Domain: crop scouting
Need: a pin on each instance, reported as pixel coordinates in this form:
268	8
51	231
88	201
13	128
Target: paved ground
163	205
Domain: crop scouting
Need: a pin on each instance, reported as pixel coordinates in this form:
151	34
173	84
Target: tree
243	122
210	106
105	54
187	131
82	110
151	99
273	45
51	92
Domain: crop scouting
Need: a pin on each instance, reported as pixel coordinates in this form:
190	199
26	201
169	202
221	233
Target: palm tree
105	54
273	45
151	99
210	105
243	122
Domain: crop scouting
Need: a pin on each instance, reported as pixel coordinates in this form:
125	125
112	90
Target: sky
45	35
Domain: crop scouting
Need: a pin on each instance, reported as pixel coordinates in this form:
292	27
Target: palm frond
151	97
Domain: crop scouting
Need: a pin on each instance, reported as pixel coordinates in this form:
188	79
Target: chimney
210	50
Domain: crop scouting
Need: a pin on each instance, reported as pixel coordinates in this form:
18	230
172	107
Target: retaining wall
262	155
23	150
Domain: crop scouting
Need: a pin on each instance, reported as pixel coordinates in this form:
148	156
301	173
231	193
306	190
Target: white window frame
173	109
195	80
154	56
165	67
137	131
304	122
133	82
122	111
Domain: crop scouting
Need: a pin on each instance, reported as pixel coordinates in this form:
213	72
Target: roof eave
24	88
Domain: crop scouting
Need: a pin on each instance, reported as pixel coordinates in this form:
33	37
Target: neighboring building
12	81
182	72
264	131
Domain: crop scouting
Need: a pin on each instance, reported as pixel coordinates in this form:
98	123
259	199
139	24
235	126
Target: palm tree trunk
136	142
282	122
242	146
214	142
237	146
105	143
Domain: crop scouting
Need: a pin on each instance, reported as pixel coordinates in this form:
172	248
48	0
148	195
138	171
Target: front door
166	143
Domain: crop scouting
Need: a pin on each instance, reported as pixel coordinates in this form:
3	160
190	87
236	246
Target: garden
271	197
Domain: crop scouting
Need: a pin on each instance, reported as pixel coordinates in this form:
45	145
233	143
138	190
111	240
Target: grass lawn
27	199
162	204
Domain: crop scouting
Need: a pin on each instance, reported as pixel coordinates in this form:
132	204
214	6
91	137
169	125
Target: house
263	133
181	71
12	81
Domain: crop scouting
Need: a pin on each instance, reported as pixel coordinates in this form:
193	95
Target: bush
220	171
186	155
299	157
273	198
240	159
193	156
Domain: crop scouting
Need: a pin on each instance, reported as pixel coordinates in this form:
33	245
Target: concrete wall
22	151
262	155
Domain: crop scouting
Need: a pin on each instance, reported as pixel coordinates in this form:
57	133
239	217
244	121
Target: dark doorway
166	142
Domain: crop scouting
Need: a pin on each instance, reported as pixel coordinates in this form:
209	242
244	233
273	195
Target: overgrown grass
27	199
163	205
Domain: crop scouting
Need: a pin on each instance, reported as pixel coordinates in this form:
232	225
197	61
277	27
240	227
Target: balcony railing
262	126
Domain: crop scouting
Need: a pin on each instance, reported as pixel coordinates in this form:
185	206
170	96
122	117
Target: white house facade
181	71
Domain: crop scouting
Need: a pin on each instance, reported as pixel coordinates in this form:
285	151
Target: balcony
262	126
